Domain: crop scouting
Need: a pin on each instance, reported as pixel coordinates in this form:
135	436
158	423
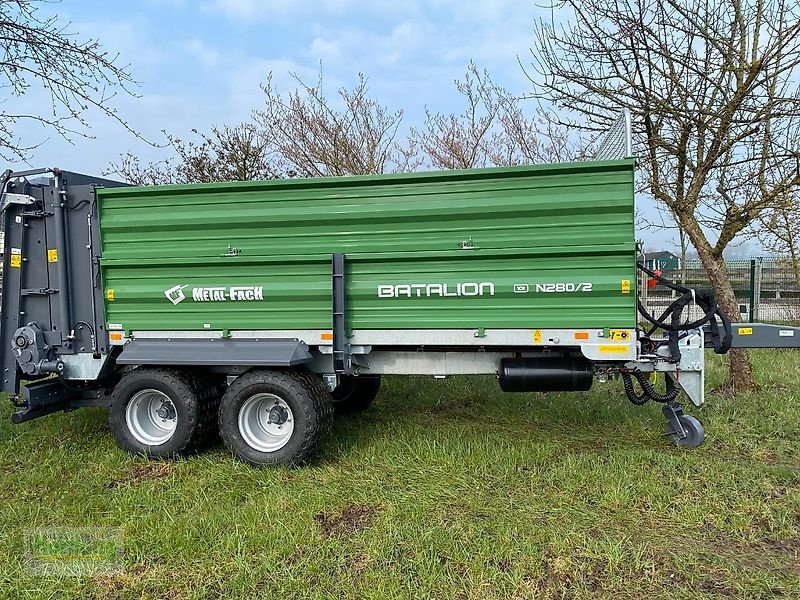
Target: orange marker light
116	336
581	335
326	336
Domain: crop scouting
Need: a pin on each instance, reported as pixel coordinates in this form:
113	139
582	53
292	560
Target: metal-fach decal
235	293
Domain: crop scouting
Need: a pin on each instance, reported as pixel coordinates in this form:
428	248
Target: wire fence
767	289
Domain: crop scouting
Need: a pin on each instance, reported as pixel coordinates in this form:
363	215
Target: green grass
444	489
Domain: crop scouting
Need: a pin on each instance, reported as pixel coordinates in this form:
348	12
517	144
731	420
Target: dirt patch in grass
556	577
504	565
762	555
140	472
111	585
788	546
717	589
444	406
346	521
765	554
357	563
12	467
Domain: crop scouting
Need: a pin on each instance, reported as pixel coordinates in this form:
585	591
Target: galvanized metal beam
215	352
763	335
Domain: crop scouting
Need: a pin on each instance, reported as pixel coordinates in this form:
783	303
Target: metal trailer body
511	258
423	251
470	266
51	288
208	291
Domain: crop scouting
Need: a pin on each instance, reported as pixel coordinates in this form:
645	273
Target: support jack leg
682	430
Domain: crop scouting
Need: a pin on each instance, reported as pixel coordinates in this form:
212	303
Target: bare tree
305	134
131	169
713	89
493	130
315	135
228	153
780	231
309	134
238	153
464	141
40	51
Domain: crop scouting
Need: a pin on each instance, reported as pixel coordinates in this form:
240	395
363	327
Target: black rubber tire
355	394
209	388
195	404
309	400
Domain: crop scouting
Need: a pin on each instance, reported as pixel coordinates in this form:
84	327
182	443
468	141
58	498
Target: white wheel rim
151	417
266	422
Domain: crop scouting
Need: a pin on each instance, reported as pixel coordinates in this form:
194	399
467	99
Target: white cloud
237	10
244	79
256	10
413	62
244	12
169	3
207	56
324	49
126	37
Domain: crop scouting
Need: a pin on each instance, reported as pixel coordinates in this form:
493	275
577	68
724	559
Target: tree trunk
684	249
740	374
795	263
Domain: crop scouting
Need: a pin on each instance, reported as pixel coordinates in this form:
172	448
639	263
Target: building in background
663	260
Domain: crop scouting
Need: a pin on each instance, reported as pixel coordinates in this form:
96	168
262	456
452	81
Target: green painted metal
505	227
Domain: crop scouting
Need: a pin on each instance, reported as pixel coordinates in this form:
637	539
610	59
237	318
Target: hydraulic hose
670	319
649	392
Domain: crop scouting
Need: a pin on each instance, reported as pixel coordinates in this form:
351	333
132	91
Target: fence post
758	284
643	289
752	316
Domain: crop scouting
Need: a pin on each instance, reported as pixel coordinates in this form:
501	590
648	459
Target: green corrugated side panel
565	223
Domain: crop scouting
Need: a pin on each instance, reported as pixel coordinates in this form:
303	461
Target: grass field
444	489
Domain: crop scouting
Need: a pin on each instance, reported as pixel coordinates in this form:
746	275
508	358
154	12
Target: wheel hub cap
151	417
266	422
278	415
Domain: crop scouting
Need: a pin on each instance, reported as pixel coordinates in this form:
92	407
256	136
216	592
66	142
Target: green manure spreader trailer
256	309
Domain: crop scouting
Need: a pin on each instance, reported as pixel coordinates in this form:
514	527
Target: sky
201	62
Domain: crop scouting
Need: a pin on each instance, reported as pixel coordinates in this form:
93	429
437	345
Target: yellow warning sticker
110	294
16	260
52	255
625	286
619	335
613	349
537	336
745	331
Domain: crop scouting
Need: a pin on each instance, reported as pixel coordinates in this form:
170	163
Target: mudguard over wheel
355	394
270	417
162	413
